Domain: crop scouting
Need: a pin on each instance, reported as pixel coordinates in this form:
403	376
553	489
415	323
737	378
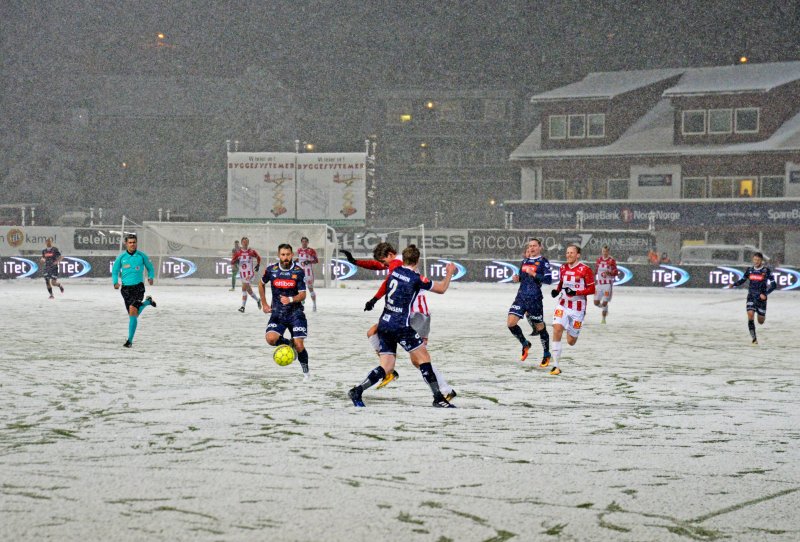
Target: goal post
215	240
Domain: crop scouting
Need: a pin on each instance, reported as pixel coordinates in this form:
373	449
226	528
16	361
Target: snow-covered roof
738	78
653	135
606	85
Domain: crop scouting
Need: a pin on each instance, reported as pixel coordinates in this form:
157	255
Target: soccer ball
284	355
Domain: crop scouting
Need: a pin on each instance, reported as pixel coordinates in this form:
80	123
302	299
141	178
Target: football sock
49	289
430	377
132	321
544	336
444	387
143	306
313	296
516	331
375	342
555	351
375	375
244	299
751	325
254	296
302	357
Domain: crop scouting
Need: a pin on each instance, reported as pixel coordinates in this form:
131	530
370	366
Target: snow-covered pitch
665	425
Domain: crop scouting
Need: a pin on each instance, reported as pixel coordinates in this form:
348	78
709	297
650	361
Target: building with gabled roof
719	144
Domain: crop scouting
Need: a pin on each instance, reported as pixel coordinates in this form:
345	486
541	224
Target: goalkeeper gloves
349	256
257	266
369	305
555	292
569	291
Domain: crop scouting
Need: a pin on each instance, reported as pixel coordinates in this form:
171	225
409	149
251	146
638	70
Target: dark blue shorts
756	305
294	321
523	304
51	272
404	336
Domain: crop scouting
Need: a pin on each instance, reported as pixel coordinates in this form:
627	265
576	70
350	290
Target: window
578	189
721	187
558	126
747	120
694	122
398	111
720	121
618	188
598	189
772	187
553	190
694	187
596	125
577	126
746	188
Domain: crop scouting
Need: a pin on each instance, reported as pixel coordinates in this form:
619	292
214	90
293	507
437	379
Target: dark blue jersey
528	285
761	281
288	282
51	256
402	287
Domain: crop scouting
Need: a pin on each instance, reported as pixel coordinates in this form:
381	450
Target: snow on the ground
665	425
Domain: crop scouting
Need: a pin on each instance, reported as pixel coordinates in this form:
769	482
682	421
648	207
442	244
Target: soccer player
405	283
762	284
234	266
306	258
131	265
386	258
51	257
249	262
286	279
604	275
534	271
575	282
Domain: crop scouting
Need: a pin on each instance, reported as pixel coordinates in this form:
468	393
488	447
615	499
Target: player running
51	257
604	275
288	292
404	285
131	265
386	258
534	271
575	282
249	262
762	283
306	258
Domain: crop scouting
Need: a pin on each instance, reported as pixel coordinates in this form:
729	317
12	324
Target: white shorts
246	276
603	292
570	319
308	271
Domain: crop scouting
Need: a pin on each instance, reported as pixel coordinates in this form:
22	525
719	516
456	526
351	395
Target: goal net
215	240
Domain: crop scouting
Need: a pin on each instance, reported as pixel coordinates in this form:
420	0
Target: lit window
747	120
405	117
558	126
694	122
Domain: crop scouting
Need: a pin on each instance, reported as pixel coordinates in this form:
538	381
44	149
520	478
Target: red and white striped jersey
306	257
605	270
247	258
580	278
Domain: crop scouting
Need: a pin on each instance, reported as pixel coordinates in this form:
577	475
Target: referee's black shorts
133	295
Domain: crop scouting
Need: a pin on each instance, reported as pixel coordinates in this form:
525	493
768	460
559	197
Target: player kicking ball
404	284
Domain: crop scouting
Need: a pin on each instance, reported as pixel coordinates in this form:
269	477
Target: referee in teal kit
131	264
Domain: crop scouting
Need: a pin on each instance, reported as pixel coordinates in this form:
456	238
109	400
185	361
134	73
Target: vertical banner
331	186
261	185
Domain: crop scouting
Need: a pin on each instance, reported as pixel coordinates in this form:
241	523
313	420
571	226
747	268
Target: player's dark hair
411	255
284	245
576	248
130	236
760	255
304	238
382	250
535	239
245	237
606	247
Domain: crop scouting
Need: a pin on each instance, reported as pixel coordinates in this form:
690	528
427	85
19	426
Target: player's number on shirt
392	288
